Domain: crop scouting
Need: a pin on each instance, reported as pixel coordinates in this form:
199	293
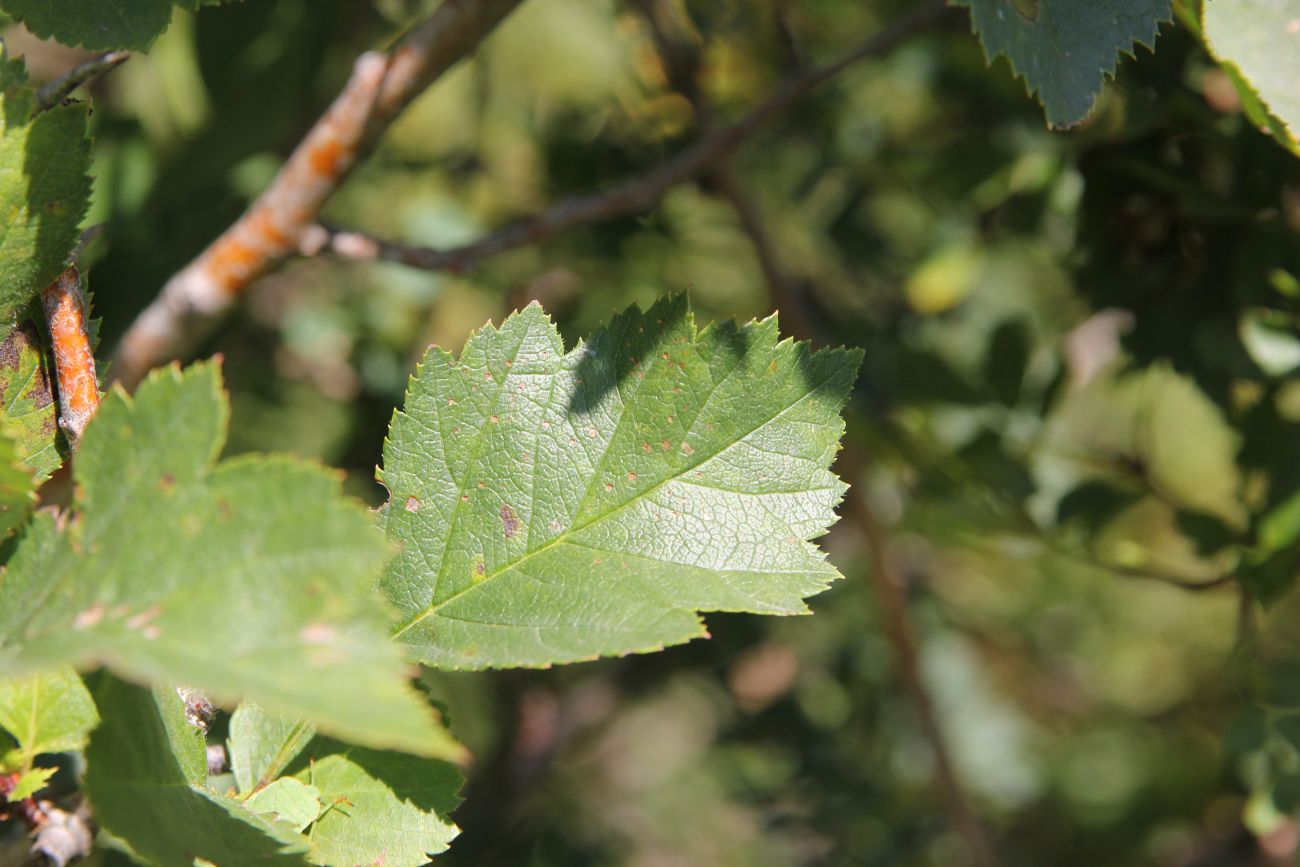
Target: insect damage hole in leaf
590	503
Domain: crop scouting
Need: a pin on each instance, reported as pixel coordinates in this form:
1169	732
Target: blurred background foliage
1079	392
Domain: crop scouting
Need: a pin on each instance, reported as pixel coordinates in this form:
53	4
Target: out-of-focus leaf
1280	526
47	712
1001	472
1094	503
28	411
1156	428
1282	683
1248	732
1208	532
1288	726
1270	576
142	793
44	186
250	578
1063	48
1258	41
555	507
262	744
378	807
1008	355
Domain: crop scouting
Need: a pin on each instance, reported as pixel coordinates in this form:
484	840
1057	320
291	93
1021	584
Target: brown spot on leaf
144	617
412	504
167	482
89	617
509	521
318	634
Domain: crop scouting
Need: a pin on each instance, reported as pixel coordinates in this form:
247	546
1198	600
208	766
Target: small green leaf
30	782
28	411
249	578
554	507
49	712
44	187
1280	526
1258	42
1065	48
287	800
141	793
378	807
262	745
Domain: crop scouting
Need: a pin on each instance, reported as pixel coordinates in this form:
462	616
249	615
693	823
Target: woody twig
632	196
381	86
74	364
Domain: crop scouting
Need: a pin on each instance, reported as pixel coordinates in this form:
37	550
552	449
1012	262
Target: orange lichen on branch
74	363
270	230
278	223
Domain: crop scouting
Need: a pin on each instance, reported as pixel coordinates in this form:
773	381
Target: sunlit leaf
142	793
555	507
1259	41
249	578
378	807
47	712
44	187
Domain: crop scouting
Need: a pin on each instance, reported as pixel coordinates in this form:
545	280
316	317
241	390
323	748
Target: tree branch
74	363
681	60
62	87
887	590
382	84
632	196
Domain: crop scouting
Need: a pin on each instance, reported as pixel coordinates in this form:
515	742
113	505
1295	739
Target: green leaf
263	744
557	507
1007	359
378	807
48	712
30	782
287	800
17	487
96	26
1258	43
249	578
44	187
1064	48
142	793
28	411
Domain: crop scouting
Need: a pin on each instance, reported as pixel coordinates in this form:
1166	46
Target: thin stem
632	196
53	93
382	84
887	591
